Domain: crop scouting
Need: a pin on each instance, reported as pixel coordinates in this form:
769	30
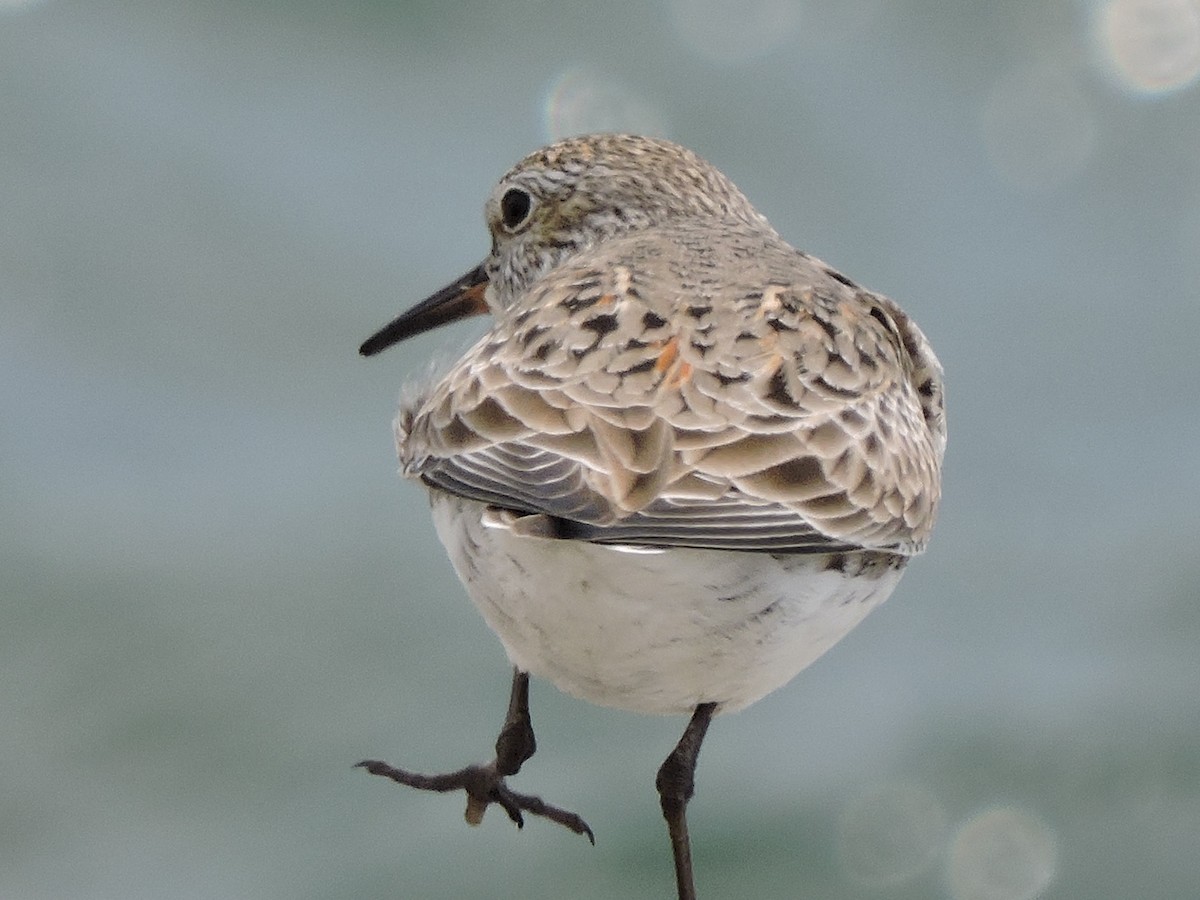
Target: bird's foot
484	785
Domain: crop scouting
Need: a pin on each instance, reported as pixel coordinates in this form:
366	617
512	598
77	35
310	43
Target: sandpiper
685	461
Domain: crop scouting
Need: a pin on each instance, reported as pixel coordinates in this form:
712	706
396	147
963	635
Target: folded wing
791	412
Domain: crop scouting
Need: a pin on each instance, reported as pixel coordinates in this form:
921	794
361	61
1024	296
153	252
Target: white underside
655	631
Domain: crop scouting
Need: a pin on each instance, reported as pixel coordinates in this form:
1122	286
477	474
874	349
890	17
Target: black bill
456	301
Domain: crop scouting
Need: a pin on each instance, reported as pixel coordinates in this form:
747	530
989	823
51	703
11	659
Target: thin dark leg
676	783
485	784
516	742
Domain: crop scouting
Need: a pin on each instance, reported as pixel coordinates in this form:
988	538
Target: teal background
216	594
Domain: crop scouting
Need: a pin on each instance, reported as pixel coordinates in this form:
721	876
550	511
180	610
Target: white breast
657	631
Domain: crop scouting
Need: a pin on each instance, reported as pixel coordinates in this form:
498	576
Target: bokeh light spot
888	835
1038	127
1002	854
581	101
1153	46
729	31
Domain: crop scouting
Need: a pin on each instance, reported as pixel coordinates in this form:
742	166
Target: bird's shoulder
691	368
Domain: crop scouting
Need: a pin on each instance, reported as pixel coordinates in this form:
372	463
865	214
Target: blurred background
216	594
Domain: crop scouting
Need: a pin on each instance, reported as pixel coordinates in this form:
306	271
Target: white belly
658	631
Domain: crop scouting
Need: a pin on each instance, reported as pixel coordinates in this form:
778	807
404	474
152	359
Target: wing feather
788	411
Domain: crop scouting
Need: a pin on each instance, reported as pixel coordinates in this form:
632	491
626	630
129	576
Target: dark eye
514	208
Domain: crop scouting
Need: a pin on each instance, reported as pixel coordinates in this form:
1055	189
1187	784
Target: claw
483	785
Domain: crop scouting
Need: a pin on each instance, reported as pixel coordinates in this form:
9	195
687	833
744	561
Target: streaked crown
566	197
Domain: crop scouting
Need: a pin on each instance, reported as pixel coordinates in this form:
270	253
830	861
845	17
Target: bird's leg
676	783
484	784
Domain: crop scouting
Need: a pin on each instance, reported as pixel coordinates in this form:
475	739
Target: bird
684	461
